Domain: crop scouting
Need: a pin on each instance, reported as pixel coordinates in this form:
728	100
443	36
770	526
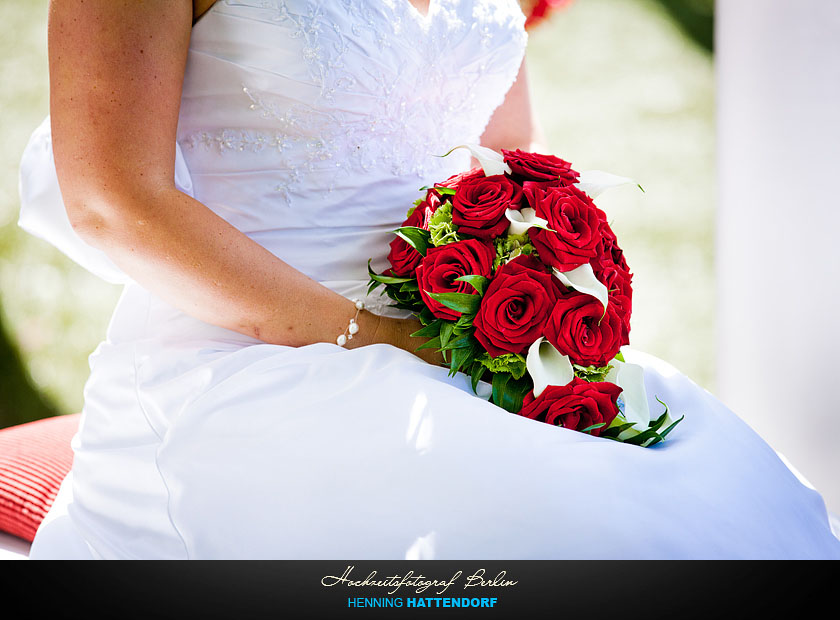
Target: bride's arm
514	124
116	73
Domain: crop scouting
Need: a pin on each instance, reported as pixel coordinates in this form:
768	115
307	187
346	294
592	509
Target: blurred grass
55	311
619	86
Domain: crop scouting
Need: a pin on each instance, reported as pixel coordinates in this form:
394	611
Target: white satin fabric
310	126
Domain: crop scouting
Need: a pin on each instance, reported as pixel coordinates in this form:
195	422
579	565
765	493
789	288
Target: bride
221	418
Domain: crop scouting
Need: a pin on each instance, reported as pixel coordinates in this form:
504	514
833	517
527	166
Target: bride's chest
316	85
345	47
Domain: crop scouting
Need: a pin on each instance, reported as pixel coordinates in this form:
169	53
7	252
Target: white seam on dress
151	426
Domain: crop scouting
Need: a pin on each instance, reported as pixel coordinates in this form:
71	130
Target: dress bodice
311	124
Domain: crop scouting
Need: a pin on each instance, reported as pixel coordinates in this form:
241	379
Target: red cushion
34	459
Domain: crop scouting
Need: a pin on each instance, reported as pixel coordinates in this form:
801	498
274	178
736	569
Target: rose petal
631	379
583	280
523	219
547	366
490	161
596	182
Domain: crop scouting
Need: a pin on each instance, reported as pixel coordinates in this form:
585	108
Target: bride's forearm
116	71
187	255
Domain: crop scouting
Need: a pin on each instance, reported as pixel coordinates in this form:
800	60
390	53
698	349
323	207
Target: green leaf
508	392
647	438
434	343
650	433
390	279
410	287
499	383
616	430
670	428
479	283
641	438
443	191
386	279
461	342
426	315
464	322
593	427
476	373
429	331
395	292
665	416
373	285
459	302
417	238
459	357
446	330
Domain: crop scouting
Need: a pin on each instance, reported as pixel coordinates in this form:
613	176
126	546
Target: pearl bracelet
353	327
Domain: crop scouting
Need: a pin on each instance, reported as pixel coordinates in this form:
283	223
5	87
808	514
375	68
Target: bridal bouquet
519	281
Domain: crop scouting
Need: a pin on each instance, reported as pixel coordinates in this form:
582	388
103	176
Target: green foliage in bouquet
592	373
510	246
623	431
441	228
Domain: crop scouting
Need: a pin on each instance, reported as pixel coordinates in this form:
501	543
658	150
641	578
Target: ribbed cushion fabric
34	459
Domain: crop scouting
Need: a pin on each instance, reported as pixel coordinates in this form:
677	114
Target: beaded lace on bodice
311	124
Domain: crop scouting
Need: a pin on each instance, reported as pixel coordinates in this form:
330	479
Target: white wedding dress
311	126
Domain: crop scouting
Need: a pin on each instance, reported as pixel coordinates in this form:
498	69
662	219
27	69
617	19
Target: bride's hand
397	332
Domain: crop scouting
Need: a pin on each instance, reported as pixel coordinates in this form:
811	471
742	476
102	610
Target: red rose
515	306
618	283
609	244
403	257
577	406
479	205
437	271
578	327
610	267
536	167
456	179
575	221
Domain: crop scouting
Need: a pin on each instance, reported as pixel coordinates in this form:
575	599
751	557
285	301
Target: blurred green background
624	86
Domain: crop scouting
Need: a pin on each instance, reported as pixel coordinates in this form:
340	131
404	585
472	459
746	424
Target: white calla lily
490	161
595	182
583	280
631	379
547	366
523	219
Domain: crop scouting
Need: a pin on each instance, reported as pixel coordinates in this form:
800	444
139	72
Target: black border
543	589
